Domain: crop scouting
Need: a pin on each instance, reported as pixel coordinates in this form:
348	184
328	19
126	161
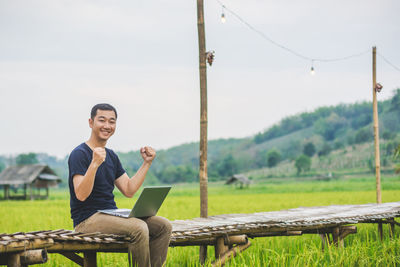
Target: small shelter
239	180
31	178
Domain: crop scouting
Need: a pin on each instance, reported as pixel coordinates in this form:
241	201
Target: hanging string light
312	68
295	53
223	19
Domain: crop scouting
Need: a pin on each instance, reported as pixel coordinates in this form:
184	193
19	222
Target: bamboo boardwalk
227	233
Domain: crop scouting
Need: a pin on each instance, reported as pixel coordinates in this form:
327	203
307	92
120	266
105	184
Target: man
93	172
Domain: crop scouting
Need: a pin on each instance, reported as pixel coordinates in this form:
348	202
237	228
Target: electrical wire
264	36
388	62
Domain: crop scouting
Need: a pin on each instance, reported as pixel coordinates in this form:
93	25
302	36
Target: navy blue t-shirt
102	196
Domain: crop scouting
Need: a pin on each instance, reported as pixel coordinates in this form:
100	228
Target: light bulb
312	70
223	19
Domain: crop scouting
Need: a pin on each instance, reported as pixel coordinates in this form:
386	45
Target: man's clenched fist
99	155
148	153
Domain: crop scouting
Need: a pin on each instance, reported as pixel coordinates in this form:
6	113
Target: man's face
103	125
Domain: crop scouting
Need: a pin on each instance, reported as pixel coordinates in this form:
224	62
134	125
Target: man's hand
99	156
148	154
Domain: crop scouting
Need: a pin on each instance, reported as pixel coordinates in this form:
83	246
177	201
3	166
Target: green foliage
371	165
390	147
177	174
361	121
227	167
268	158
29	158
303	163
396	155
325	150
338	144
395	102
388	135
363	135
309	149
273	158
328	127
2	166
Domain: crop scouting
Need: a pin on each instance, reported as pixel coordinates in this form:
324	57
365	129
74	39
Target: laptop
148	203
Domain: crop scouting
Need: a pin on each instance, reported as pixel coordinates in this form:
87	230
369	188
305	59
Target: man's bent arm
129	186
83	185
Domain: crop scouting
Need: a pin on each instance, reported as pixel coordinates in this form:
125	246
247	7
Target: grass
361	249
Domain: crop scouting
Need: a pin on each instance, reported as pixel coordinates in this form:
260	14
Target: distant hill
343	127
332	132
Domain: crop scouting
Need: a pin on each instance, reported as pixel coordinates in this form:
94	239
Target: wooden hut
239	180
30	178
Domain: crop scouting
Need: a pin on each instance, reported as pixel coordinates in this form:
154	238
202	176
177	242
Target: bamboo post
6	191
376	137
30	192
391	228
380	230
14	260
325	240
231	253
376	129
335	235
220	247
203	120
89	259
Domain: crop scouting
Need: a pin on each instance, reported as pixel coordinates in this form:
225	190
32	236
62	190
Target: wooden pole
6	191
203	120
376	129
89	259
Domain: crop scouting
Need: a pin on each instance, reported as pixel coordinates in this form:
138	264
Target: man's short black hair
102	106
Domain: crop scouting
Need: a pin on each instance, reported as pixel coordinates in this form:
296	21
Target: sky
58	58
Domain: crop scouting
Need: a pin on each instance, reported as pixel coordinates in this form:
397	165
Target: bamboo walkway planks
221	231
300	219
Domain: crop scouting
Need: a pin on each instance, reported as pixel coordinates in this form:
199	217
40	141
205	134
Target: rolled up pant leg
135	228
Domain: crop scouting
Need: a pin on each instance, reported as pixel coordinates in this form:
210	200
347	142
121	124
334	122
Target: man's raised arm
129	186
83	185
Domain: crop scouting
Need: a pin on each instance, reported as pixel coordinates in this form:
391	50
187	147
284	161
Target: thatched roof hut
29	177
239	180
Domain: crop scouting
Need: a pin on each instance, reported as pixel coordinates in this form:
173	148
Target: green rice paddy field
361	249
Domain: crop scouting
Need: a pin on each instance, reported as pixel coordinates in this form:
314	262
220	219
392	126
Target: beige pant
150	235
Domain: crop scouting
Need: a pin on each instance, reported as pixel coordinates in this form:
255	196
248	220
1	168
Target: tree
325	150
338	144
2	166
303	163
395	103
227	166
387	135
328	127
273	158
309	149
177	174
396	156
29	158
363	135
261	158
390	147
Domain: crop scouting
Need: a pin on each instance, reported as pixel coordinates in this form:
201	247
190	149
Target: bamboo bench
227	233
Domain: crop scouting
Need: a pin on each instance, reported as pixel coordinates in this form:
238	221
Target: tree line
295	138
